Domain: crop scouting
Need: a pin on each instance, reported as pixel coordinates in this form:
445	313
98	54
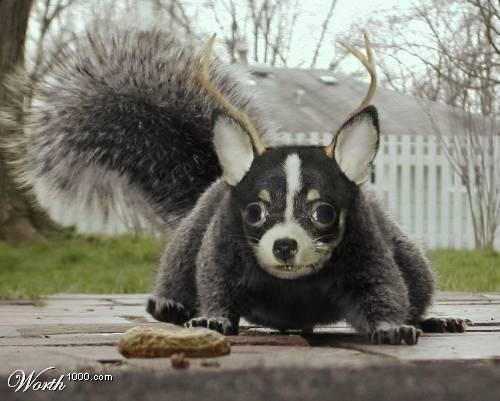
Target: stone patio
79	333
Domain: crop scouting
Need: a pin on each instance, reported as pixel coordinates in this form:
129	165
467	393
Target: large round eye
323	214
255	214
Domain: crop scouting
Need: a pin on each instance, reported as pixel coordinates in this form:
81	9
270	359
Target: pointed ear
234	149
356	144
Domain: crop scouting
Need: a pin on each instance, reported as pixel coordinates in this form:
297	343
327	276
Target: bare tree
456	63
52	30
490	18
18	219
176	13
324	27
267	25
473	151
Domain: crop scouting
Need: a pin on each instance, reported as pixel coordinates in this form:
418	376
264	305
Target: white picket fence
417	185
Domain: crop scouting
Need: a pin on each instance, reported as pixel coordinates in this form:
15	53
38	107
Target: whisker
323	236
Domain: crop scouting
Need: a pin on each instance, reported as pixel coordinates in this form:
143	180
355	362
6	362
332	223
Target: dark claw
463	325
456	325
444	325
395	335
213	324
166	310
433	325
150	305
410	334
197	322
221	325
451	325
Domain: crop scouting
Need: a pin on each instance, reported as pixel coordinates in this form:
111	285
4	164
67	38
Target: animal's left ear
234	149
235	137
356	144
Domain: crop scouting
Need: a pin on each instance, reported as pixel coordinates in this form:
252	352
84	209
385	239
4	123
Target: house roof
299	101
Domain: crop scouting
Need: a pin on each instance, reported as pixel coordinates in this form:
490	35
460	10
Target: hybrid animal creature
139	125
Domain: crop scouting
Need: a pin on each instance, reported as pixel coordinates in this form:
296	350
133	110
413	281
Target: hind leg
174	298
414	266
420	281
174	295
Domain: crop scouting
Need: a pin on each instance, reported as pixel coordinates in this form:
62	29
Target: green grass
126	264
476	271
91	264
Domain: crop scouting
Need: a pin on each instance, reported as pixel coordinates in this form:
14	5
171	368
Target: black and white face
293	211
294	200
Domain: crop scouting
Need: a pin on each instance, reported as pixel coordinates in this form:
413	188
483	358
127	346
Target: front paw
221	324
167	310
395	335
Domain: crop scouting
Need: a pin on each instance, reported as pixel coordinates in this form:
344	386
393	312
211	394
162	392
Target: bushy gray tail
119	130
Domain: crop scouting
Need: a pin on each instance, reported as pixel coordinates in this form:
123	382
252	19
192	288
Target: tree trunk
20	219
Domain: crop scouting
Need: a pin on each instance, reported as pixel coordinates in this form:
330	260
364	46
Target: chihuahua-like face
294	200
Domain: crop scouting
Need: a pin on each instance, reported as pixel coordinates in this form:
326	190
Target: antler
369	63
201	70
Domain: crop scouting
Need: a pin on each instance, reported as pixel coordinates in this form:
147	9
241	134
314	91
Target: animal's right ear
234	149
356	145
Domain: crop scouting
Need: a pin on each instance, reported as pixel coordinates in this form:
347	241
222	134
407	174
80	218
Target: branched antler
369	63
201	70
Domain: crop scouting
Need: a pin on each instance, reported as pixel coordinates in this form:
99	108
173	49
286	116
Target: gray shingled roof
323	107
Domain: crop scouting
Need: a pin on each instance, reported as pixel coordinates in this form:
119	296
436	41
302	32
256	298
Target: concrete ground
79	333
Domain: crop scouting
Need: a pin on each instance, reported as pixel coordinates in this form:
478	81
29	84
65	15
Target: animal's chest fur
289	304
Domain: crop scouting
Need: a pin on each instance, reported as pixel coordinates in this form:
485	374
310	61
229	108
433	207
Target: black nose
285	248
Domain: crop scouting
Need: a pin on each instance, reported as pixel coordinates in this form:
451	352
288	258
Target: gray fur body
376	275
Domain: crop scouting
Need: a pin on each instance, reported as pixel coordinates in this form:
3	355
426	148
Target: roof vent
299	94
328	79
260	70
242	51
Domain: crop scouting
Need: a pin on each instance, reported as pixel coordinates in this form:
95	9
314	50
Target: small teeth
288	268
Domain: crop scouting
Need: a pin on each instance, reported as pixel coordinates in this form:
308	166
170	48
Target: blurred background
438	167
